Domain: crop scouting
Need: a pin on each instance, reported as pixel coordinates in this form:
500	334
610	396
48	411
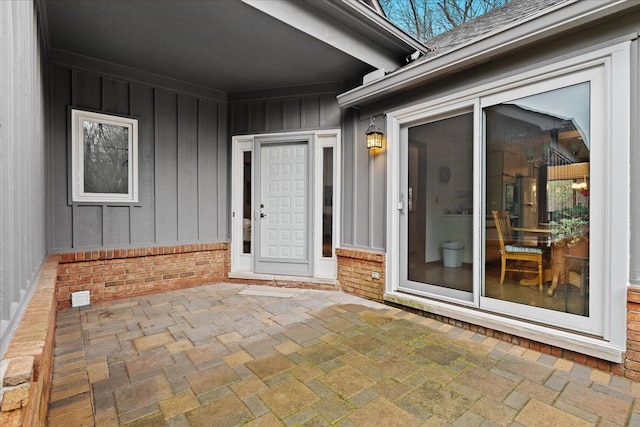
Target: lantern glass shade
374	135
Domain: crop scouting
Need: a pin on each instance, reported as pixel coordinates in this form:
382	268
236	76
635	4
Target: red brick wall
115	274
29	357
632	361
354	272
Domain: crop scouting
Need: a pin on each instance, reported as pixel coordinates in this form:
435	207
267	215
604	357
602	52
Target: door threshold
275	277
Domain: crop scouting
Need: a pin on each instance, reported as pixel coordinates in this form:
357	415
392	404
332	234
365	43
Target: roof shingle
481	27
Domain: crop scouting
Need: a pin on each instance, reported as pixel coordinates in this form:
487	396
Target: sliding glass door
496	202
541	188
437	206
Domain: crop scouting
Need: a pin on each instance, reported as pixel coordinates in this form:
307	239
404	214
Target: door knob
262	214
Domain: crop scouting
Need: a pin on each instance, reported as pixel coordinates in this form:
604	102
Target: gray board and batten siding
296	113
182	166
184	157
23	167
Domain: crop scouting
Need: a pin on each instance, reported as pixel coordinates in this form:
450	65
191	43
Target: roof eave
538	27
347	25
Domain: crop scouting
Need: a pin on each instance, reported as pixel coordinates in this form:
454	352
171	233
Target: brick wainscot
362	273
632	361
123	273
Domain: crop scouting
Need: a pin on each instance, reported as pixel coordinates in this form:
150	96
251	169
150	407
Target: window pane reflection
106	158
327	202
440	203
537	178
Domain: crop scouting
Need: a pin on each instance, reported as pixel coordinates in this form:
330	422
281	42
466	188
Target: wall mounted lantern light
374	135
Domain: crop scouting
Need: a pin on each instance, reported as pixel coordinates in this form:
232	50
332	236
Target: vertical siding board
329	112
166	152
187	169
88	91
207	170
223	166
274	115
143	218
239	118
361	186
348	179
310	113
116	219
257	117
115	96
377	201
88	224
292	119
60	159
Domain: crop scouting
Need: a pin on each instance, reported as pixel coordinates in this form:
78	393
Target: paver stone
381	412
347	381
142	394
211	378
536	413
288	397
271	365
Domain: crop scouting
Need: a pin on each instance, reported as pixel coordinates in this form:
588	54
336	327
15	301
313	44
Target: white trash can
452	252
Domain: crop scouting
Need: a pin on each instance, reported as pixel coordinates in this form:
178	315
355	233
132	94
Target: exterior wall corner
362	272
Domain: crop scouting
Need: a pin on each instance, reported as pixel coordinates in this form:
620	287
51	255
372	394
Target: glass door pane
246	202
537	200
327	202
437	219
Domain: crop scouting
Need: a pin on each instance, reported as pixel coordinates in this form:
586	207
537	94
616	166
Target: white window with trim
510	200
104	156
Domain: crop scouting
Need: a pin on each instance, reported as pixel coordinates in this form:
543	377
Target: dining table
548	274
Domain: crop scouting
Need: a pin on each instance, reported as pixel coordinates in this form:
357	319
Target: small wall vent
80	298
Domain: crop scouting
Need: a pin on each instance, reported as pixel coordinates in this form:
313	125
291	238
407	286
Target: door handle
262	214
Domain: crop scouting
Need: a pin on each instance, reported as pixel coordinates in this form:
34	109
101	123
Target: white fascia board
547	24
332	32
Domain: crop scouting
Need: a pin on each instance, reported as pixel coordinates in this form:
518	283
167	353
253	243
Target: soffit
224	45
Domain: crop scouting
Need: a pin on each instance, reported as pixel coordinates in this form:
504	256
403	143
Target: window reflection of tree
106	158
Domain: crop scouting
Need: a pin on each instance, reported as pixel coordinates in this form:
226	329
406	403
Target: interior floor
435	273
566	298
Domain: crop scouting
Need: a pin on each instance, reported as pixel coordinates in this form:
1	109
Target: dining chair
509	251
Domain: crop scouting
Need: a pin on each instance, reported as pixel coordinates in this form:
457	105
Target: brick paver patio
227	355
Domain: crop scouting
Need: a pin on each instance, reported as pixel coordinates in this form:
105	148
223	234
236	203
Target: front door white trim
324	269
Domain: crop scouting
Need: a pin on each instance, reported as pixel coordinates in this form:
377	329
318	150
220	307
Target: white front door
282	206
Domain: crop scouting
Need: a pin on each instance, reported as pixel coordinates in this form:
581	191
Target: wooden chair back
503	227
